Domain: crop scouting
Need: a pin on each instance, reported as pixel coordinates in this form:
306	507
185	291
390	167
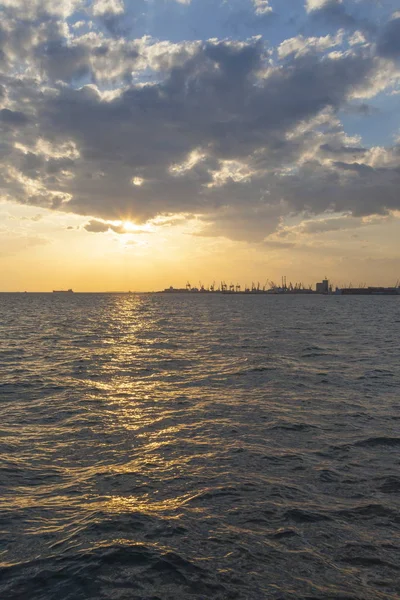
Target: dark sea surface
164	447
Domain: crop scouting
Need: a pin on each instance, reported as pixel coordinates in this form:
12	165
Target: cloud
34	9
111	15
332	224
312	5
105	7
119	129
353	150
95	226
310	228
333	12
278	245
359	168
13	118
243	223
389	40
262	7
62	61
300	45
357	38
209	102
47	48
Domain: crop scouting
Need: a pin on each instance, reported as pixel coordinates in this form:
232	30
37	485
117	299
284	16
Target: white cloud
357	38
106	7
299	45
385	75
30	9
262	7
231	170
318	4
78	24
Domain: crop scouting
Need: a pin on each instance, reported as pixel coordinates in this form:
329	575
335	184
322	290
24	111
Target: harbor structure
270	287
322	287
368	291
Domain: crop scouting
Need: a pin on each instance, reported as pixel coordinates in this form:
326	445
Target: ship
172	290
63	291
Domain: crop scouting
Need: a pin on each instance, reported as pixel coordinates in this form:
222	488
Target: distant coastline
322	288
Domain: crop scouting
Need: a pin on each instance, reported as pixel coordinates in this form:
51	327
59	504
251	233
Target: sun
129	226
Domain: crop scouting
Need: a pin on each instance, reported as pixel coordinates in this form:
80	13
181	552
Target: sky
148	143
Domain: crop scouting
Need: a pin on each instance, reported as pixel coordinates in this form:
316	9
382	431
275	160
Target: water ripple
228	447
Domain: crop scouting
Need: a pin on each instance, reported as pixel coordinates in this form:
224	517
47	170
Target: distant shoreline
350	292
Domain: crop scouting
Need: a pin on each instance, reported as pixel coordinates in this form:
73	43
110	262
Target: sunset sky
149	142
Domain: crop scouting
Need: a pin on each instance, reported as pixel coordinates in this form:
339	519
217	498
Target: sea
199	446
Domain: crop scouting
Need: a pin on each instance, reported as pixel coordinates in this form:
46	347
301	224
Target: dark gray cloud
358	168
203	106
115	24
95	226
13	118
346	14
333	224
31	165
334	12
278	245
244	222
344	187
40	41
221	131
389	40
60	61
353	150
221	112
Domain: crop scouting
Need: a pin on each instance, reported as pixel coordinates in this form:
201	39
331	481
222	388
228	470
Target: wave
130	570
375	442
155	448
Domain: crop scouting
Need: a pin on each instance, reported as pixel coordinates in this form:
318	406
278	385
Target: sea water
199	446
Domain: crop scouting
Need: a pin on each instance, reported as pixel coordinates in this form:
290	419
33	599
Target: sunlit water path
203	447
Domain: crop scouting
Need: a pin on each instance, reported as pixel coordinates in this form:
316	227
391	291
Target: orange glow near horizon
42	250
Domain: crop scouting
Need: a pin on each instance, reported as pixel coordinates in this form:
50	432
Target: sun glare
129	226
